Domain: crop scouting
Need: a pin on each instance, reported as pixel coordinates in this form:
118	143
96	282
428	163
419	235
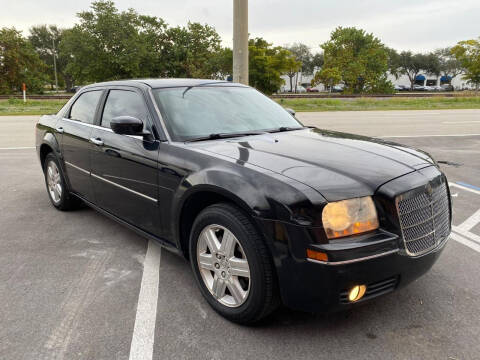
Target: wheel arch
196	200
49	144
45	149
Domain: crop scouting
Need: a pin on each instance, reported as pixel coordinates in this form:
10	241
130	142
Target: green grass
42	107
31	107
358	104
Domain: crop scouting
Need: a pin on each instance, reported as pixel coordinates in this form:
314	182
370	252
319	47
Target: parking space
76	285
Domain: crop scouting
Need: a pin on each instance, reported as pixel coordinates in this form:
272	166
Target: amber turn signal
316	255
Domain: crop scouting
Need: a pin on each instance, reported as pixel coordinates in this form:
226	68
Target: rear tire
57	189
232	265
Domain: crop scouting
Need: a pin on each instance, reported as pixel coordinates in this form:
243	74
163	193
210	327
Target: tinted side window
123	103
84	107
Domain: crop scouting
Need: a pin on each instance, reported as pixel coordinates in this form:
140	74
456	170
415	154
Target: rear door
77	126
124	167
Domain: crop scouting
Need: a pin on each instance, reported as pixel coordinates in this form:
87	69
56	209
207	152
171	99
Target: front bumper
321	287
313	286
377	259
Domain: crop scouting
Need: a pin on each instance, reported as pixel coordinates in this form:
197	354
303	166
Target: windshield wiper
285	128
225	136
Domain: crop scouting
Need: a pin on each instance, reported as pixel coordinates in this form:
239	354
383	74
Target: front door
77	127
124	168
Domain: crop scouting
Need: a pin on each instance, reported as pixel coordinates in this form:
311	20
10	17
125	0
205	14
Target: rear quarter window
85	106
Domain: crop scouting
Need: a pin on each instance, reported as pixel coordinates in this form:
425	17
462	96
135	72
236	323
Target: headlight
349	217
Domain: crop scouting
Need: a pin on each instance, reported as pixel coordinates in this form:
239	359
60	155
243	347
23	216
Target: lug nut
223	273
217	266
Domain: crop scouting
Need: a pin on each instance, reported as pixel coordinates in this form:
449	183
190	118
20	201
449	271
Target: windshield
194	112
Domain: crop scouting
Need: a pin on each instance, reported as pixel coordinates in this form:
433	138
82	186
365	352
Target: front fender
50	140
259	194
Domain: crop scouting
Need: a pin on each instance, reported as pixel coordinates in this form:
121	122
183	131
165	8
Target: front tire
232	265
56	185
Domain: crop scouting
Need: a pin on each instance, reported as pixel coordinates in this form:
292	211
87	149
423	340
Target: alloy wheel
223	265
54	182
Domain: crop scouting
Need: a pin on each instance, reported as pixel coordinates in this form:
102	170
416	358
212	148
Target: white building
300	80
429	80
422	79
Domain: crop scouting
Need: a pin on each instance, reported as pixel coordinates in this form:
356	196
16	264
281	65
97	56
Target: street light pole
55	65
240	41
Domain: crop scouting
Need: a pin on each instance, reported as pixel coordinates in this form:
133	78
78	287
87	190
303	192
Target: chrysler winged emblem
429	191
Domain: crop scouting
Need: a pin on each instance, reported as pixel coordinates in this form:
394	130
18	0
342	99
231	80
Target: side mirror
291	111
127	125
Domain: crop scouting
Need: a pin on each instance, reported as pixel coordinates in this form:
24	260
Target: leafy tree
108	44
449	66
222	63
382	86
468	54
360	57
45	40
432	64
316	62
394	65
304	56
293	66
328	77
19	63
192	51
266	65
413	64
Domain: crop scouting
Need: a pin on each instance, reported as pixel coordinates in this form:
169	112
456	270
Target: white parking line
461	122
464	188
144	330
469	235
421	136
470	223
18	148
472	245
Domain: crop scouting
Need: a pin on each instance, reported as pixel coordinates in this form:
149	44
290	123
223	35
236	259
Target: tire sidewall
256	294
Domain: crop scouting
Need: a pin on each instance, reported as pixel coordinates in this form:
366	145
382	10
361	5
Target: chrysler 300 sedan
266	210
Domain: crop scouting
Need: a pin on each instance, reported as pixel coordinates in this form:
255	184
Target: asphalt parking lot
76	285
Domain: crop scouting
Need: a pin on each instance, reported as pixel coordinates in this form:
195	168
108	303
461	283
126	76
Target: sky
417	25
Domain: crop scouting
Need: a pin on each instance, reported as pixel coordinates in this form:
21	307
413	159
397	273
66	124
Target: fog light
357	292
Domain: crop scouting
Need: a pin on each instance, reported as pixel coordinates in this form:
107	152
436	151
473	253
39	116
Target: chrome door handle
60	130
96	141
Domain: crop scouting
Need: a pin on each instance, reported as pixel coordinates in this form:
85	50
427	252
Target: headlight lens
349	217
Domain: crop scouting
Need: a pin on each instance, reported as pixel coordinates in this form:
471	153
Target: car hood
338	165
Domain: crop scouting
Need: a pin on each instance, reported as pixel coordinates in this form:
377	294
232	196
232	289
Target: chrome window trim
86	124
112	183
137	137
345	262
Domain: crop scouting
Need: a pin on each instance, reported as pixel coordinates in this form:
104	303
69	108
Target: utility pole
240	41
55	65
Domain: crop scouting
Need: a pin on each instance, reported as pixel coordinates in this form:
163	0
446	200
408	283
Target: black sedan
267	211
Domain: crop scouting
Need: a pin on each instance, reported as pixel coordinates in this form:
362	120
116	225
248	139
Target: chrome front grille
424	215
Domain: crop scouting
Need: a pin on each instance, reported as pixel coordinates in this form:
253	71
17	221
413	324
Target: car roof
167	82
